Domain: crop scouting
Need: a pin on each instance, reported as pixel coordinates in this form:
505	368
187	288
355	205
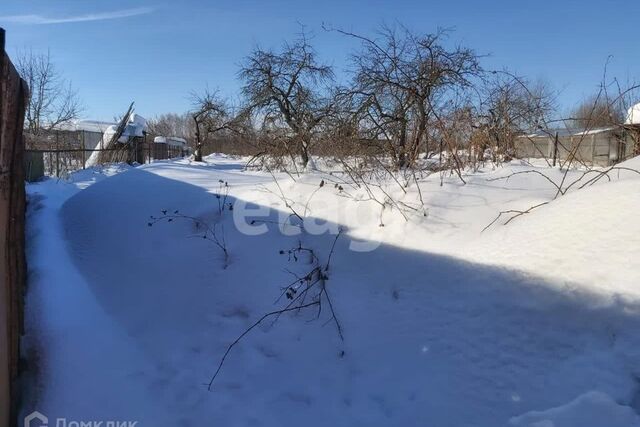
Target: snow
64	316
532	323
86	125
593	131
136	126
171	140
574	239
139	123
592	409
564	132
633	115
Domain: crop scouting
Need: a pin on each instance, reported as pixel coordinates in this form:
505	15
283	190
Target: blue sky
156	52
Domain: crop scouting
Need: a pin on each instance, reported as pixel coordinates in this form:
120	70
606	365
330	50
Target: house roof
171	140
86	125
564	132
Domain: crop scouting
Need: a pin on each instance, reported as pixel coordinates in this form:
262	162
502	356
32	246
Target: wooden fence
13	92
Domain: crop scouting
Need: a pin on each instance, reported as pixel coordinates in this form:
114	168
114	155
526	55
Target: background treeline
407	97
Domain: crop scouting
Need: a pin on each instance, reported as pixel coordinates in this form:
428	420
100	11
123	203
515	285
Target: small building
599	146
168	147
132	136
87	132
172	141
603	146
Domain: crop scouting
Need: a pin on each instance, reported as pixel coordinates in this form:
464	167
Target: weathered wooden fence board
12	241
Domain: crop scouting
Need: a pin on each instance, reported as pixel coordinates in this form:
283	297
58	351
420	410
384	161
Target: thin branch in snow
516	213
237	340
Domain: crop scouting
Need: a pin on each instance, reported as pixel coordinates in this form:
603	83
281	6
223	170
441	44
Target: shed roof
96	126
564	132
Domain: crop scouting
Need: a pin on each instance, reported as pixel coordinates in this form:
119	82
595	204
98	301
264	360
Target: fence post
83	152
57	155
555	150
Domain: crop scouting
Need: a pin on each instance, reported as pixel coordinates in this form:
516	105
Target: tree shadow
429	339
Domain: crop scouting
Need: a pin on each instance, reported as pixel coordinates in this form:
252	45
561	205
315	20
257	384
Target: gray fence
59	162
601	146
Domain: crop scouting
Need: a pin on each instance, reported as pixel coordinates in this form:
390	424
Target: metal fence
589	147
59	153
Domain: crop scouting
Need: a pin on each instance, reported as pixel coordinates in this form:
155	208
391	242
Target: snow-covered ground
533	323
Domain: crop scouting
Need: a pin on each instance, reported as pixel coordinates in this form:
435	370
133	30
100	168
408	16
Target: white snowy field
533	323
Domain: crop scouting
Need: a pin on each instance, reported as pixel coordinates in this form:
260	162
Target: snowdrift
430	339
591	409
590	236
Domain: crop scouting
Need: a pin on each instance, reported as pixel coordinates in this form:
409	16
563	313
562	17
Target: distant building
600	146
132	134
167	147
172	141
603	146
95	134
89	132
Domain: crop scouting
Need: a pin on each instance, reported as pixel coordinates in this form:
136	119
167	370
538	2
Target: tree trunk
197	154
401	159
304	154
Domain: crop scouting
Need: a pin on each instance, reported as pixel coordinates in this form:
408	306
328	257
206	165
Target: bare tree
511	106
405	83
285	89
52	100
212	115
172	124
598	111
